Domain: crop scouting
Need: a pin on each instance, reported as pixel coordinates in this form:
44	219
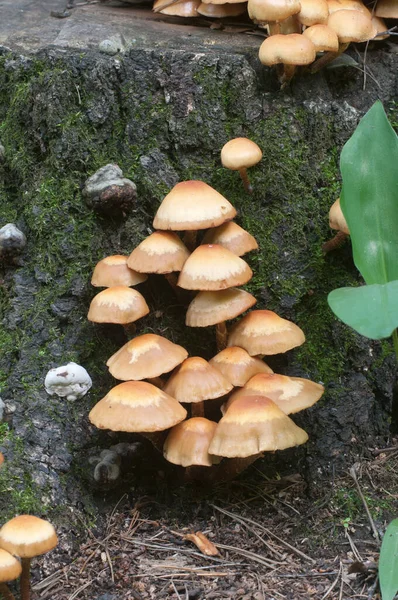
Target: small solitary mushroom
290	50
10	569
336	221
27	536
240	154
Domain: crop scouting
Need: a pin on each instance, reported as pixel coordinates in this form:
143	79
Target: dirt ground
276	538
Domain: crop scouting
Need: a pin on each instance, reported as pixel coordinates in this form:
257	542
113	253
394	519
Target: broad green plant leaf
388	562
372	310
369	199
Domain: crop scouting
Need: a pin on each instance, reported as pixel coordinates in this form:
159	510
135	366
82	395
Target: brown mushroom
183	8
290	51
313	12
187	443
336	221
240	154
238	366
10	569
387	9
272	12
323	38
119	304
113	270
231	236
219	11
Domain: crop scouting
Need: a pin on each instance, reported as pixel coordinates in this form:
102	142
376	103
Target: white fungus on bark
71	381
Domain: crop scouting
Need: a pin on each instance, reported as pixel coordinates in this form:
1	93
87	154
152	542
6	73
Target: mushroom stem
287	75
337	241
274	28
197	409
25	579
221	336
231	467
327	58
130	329
157	382
190	240
5	592
172	279
156	438
245	179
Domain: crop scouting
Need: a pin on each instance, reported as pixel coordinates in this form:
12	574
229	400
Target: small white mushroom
71	381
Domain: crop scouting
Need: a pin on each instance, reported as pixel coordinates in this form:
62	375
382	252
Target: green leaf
369	199
388	562
372	310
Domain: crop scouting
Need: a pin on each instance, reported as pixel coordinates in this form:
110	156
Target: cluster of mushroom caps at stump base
301	32
25	537
161	384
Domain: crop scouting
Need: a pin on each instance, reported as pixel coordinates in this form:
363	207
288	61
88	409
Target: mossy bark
163	116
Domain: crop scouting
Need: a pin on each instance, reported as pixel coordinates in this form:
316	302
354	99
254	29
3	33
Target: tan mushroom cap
254	424
231	236
188	443
337	219
240	153
10	567
323	38
185	8
145	357
27	536
381	26
291	49
193	205
119	304
313	12
218	11
210	308
1	459
264	332
388	9
212	267
137	406
352	26
291	394
265	11
196	380
238	366
113	270
335	5
160	252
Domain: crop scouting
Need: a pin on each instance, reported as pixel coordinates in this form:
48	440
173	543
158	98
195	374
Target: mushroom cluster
299	30
238	408
24	537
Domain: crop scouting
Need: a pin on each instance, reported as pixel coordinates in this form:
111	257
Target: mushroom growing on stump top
119	304
190	206
184	8
145	357
238	366
232	237
113	271
10	569
187	444
323	38
291	394
138	406
272	12
27	536
265	332
195	381
161	252
289	50
313	12
240	154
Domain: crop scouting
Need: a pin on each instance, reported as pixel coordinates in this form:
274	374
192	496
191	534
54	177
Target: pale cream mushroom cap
27	536
388	9
265	11
217	10
291	49
240	153
196	380
161	252
335	5
188	443
254	424
265	332
193	205
113	270
119	304
352	26
10	567
145	357
212	267
337	219
323	38
313	12
238	366
231	236
137	406
210	308
184	8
